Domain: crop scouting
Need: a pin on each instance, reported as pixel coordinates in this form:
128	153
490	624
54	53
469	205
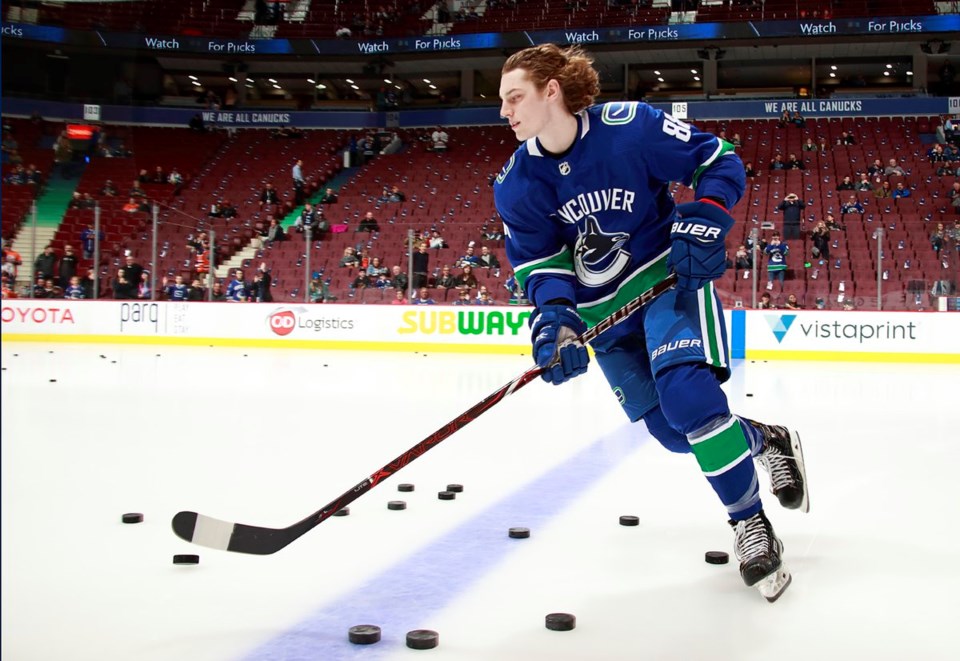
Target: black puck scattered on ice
397	505
53	380
627	520
455	488
113	362
186	559
716	557
102	356
422	639
405	487
132	517
749	394
364	634
446	495
519	533
343	511
561	622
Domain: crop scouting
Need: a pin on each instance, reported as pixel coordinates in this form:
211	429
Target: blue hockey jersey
592	225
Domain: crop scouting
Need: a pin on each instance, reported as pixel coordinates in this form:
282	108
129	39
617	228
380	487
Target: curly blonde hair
571	67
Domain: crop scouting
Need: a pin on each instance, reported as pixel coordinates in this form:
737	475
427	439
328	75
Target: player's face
523	105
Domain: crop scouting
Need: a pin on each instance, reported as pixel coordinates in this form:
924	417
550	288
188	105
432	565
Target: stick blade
236	537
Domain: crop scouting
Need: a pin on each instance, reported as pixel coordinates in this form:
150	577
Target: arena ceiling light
693	71
276	87
433	87
192	77
697	78
195	83
889	66
656	73
355	87
349	81
833	75
311	81
909	73
833	67
272	80
426	81
232	79
321	86
387	80
661	80
886	73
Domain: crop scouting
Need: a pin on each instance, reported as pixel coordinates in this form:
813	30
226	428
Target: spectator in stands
748	170
88	238
846	138
68	266
765	302
137	190
108	190
123	289
882	190
227	209
144	287
466	279
396	195
820	238
955	196
485	299
132	270
175	291
488	260
436	241
937	238
218	293
446	279
269	196
11	257
132	206
318	291
398	279
776	163
792	208
349	259
307	218
491	231
375	269
469	258
274	232
44	266
175	179
900	191
742	261
423	298
784	119
88	285
846	184
237	289
368	223
852	205
792	303
935	153
864	185
298	182
876	169
809	145
797	119
463	298
260	290
421	264
73	291
159	176
400	298
776	252
736	141
794	163
48	290
329	197
439	139
893	168
822	146
63	156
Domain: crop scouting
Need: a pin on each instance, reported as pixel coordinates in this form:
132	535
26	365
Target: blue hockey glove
696	252
555	327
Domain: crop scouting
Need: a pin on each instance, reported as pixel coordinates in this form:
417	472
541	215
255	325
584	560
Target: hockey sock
754	436
693	403
661	430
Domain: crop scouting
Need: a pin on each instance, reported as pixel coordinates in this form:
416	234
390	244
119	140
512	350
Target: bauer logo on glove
696	249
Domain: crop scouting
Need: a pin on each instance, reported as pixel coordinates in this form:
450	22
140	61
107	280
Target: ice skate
759	549
782	458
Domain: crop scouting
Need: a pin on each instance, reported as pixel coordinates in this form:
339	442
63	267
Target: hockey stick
241	538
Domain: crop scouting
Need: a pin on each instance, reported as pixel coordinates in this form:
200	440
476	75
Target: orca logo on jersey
598	256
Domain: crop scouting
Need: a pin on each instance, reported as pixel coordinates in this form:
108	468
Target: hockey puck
364	634
53	380
186	559
132	517
397	505
343	511
519	533
405	487
627	520
455	488
749	394
716	557
561	621
422	639
446	495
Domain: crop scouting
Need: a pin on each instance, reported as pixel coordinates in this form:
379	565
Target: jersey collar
583	127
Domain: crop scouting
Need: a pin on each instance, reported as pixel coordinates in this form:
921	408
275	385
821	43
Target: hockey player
590	224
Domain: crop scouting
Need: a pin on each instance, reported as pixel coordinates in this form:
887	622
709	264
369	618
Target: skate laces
753	538
777	464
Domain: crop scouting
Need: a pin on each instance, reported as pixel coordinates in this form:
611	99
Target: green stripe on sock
720	449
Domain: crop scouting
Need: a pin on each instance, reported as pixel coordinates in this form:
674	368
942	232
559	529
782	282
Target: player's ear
552	89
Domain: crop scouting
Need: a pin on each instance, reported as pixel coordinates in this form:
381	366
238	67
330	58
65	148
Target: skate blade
802	469
775	584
